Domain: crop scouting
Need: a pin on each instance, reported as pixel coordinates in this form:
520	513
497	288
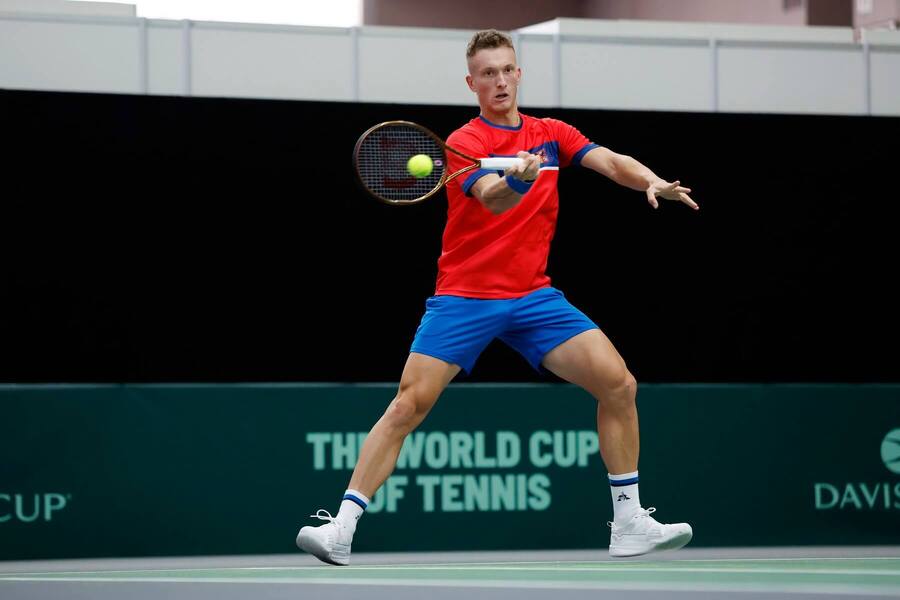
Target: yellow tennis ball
419	165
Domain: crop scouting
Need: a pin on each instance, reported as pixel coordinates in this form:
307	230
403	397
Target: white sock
352	507
625	498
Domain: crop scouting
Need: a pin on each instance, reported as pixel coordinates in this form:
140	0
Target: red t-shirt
504	256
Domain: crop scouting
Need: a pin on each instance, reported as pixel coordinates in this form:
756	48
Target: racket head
380	158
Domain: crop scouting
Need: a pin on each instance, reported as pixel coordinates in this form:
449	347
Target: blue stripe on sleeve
576	160
471	179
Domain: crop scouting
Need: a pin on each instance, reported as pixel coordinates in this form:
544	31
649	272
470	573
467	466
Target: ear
470	82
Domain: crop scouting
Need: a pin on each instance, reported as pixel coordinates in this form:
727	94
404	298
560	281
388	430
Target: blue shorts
457	330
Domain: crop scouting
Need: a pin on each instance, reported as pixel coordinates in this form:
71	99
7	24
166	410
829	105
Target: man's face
494	77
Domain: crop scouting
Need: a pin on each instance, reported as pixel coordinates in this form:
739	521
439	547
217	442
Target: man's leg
590	361
422	381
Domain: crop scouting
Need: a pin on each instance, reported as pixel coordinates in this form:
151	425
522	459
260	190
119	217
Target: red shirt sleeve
572	144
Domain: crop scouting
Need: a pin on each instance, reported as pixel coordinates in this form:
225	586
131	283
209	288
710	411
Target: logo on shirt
548	153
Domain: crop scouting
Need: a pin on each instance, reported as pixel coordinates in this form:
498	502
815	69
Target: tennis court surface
741	573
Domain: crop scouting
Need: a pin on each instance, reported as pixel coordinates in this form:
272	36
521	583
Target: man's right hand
527	171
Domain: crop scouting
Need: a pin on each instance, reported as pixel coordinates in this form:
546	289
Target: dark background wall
174	239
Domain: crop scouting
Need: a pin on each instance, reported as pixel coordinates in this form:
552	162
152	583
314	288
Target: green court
794	576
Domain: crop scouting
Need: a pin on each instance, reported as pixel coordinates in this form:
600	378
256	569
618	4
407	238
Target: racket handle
501	163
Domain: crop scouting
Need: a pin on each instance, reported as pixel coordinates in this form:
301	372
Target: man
491	284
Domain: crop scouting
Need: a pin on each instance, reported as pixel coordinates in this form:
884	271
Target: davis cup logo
890	451
28	508
870	495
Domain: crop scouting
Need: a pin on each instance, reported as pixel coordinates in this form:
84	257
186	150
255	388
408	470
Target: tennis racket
382	152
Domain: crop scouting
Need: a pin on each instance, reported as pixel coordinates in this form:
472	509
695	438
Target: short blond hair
488	38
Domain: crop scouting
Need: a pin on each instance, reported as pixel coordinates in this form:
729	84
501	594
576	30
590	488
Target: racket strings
381	162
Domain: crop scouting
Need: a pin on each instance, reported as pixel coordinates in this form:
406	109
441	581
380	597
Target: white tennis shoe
642	534
329	542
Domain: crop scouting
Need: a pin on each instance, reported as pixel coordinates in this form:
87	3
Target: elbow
495	209
618	164
492	204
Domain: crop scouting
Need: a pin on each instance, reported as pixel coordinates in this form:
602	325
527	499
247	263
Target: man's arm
628	172
499	194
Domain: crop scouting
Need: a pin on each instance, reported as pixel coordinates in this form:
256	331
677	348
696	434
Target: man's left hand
669	191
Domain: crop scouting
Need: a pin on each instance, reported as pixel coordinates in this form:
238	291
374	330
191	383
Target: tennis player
491	284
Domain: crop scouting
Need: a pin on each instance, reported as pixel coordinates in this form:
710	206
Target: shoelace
644	512
326	517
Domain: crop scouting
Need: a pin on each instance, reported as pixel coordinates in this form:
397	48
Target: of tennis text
462	450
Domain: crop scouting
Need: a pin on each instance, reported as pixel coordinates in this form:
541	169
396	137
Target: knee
629	384
405	411
621	390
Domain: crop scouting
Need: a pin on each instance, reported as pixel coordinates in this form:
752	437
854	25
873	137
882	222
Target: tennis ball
419	165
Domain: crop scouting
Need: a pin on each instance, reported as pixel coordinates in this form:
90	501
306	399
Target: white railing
567	62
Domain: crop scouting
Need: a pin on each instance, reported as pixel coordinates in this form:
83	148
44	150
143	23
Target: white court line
787	570
637	568
891	591
561	562
618	569
550	565
897	558
565	570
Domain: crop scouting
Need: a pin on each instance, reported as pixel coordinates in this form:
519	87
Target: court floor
744	573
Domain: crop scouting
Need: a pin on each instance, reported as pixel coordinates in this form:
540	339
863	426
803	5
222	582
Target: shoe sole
312	545
678	541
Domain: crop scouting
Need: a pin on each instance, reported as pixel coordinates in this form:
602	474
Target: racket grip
501	163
